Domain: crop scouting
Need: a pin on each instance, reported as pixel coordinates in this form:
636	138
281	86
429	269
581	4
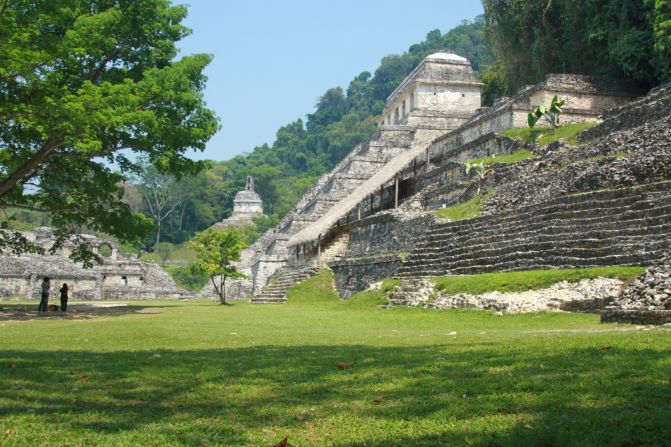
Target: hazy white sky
273	59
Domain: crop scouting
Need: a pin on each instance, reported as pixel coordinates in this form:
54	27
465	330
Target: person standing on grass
44	289
64	297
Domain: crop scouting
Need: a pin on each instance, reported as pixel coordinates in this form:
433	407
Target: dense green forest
305	149
622	39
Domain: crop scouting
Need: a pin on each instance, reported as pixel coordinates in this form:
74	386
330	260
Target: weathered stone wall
14	285
386	232
645	110
121	293
636	316
376	248
458	98
356	274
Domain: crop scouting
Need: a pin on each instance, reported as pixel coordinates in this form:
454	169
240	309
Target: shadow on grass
76	311
473	394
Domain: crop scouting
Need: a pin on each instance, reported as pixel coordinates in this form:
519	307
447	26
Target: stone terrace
629	226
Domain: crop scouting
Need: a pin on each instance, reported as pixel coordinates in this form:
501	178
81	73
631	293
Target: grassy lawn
544	136
192	374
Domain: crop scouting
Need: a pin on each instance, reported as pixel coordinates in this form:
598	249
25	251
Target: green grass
544	136
466	210
201	374
529	279
515	157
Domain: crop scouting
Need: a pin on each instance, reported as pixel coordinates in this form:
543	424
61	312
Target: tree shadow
76	311
469	395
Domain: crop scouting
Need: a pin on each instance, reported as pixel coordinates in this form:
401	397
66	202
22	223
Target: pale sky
274	59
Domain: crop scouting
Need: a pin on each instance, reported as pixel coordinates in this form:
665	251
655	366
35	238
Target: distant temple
246	205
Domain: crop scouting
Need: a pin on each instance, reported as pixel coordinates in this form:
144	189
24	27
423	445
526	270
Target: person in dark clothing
64	297
44	294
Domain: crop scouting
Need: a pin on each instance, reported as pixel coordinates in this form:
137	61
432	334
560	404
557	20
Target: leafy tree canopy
82	84
625	39
216	251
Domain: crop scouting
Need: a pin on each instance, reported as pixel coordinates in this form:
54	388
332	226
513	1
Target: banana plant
481	171
550	113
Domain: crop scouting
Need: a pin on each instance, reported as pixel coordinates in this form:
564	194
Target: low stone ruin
121	276
647	300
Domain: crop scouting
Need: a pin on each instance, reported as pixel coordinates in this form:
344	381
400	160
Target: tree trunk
27	167
216	289
223	291
181	217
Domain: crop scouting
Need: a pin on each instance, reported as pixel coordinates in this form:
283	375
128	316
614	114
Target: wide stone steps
595	208
656	221
576	248
623	227
481	227
590	236
276	291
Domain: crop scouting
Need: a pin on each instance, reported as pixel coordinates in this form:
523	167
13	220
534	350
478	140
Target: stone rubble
623	158
586	295
650	291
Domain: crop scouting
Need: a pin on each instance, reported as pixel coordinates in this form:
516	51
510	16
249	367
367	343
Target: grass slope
466	210
200	374
529	279
544	136
515	157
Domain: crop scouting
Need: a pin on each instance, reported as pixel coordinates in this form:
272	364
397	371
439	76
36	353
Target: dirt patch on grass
28	312
149	310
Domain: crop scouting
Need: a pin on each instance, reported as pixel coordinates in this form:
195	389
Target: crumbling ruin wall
120	276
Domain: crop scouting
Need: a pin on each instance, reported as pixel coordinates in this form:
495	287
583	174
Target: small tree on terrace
216	251
550	113
481	171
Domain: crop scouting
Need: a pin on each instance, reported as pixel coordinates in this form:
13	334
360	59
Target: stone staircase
334	250
410	292
276	290
628	226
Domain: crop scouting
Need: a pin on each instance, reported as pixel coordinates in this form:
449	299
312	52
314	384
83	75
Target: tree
216	251
82	84
481	172
162	194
